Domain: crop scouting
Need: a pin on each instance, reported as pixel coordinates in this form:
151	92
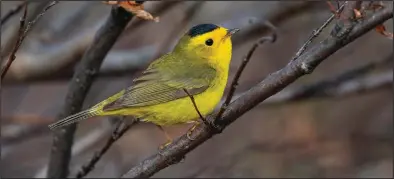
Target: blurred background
338	135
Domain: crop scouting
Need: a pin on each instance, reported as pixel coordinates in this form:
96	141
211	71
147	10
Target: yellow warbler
198	64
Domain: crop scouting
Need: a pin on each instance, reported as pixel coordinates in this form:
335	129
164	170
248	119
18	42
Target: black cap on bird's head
205	28
201	29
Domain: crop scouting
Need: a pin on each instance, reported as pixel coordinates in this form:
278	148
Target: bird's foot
190	131
161	147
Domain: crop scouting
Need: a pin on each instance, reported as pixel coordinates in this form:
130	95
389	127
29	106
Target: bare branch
241	68
12	57
22	35
117	133
12	12
316	32
80	85
275	82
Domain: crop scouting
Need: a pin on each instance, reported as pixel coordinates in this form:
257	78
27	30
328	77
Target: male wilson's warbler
199	64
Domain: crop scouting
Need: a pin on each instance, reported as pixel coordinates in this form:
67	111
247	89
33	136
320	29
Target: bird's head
207	41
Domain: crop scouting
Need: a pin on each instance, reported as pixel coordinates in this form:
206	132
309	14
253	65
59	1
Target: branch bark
80	84
275	82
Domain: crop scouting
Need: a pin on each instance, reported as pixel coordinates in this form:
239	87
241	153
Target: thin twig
19	40
22	36
195	106
316	32
117	133
13	11
272	84
79	87
244	62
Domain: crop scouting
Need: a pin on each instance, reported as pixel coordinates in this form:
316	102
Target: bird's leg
190	131
168	138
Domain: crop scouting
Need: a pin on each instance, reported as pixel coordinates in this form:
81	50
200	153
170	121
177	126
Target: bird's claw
161	147
188	135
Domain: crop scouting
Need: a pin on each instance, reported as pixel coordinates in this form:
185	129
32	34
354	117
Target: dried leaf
381	29
136	8
333	9
357	14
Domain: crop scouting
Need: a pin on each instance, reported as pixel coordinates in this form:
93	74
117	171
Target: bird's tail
74	118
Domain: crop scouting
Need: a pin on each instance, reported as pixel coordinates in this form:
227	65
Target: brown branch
12	12
241	68
80	85
117	133
275	82
316	32
22	34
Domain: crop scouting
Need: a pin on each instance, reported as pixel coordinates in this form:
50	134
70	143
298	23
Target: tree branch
316	32
22	34
275	82
80	85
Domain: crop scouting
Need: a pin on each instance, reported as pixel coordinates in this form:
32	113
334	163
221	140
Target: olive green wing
164	81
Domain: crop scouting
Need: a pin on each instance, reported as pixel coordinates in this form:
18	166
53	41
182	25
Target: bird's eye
209	42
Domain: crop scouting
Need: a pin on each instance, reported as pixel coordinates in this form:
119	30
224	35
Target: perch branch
80	84
275	82
244	62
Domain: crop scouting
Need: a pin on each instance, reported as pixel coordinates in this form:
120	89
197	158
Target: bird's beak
230	32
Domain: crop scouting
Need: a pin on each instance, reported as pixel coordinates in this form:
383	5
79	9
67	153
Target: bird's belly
181	110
